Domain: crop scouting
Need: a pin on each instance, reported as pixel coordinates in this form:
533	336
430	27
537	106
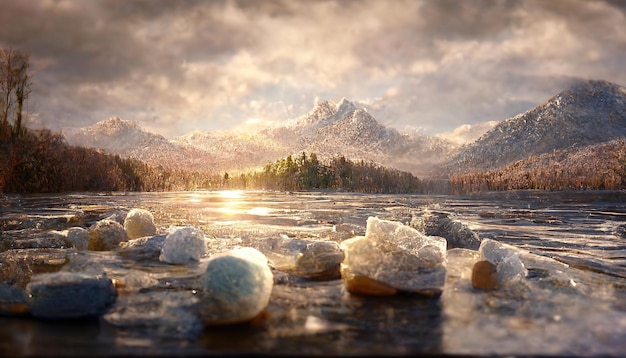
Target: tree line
40	161
596	167
305	171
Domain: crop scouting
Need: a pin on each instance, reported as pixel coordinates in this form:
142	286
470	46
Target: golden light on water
231	194
194	198
231	205
260	211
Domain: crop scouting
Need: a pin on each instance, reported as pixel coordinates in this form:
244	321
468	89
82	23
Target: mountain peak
586	87
587	112
591	93
344	107
326	112
116	124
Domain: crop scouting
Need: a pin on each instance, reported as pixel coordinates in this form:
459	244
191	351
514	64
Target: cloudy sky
176	66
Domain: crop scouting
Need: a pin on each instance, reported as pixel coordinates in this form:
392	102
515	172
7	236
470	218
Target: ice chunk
396	255
106	235
506	260
61	295
78	237
236	286
157	314
143	248
549	272
438	223
495	251
183	245
511	269
319	259
118	215
460	263
281	251
139	223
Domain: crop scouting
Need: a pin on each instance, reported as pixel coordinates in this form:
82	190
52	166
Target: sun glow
194	198
231	194
259	211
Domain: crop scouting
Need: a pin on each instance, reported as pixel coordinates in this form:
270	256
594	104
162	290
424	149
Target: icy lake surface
574	303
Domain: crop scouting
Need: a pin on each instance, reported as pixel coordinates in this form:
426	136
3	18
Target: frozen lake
581	234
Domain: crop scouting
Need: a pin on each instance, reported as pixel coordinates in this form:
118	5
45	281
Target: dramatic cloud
432	65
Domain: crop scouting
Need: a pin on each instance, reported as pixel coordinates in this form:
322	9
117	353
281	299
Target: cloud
176	66
468	133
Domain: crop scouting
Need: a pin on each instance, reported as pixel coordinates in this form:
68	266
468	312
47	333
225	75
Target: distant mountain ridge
587	113
329	130
126	138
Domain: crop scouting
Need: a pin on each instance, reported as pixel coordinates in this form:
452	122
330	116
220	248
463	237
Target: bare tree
15	86
6	84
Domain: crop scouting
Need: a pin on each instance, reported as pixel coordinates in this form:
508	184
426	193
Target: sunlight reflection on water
582	314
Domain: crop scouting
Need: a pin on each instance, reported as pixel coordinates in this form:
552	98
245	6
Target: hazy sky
175	66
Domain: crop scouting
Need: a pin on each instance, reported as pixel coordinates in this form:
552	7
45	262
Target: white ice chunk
398	256
183	245
495	251
303	257
510	270
506	258
236	286
319	259
139	223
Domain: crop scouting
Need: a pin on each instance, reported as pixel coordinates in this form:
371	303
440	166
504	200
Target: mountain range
329	130
587	113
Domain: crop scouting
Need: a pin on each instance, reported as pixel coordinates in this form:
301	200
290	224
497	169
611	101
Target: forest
597	167
39	161
305	172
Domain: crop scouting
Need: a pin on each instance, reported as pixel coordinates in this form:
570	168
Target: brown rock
13	301
362	285
484	275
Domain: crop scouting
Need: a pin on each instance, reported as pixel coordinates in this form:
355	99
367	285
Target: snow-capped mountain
128	139
329	130
113	135
589	112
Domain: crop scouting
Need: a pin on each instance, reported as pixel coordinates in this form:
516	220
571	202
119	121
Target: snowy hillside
113	135
234	151
329	129
589	112
128	139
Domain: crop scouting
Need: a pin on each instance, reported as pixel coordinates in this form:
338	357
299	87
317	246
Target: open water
575	306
